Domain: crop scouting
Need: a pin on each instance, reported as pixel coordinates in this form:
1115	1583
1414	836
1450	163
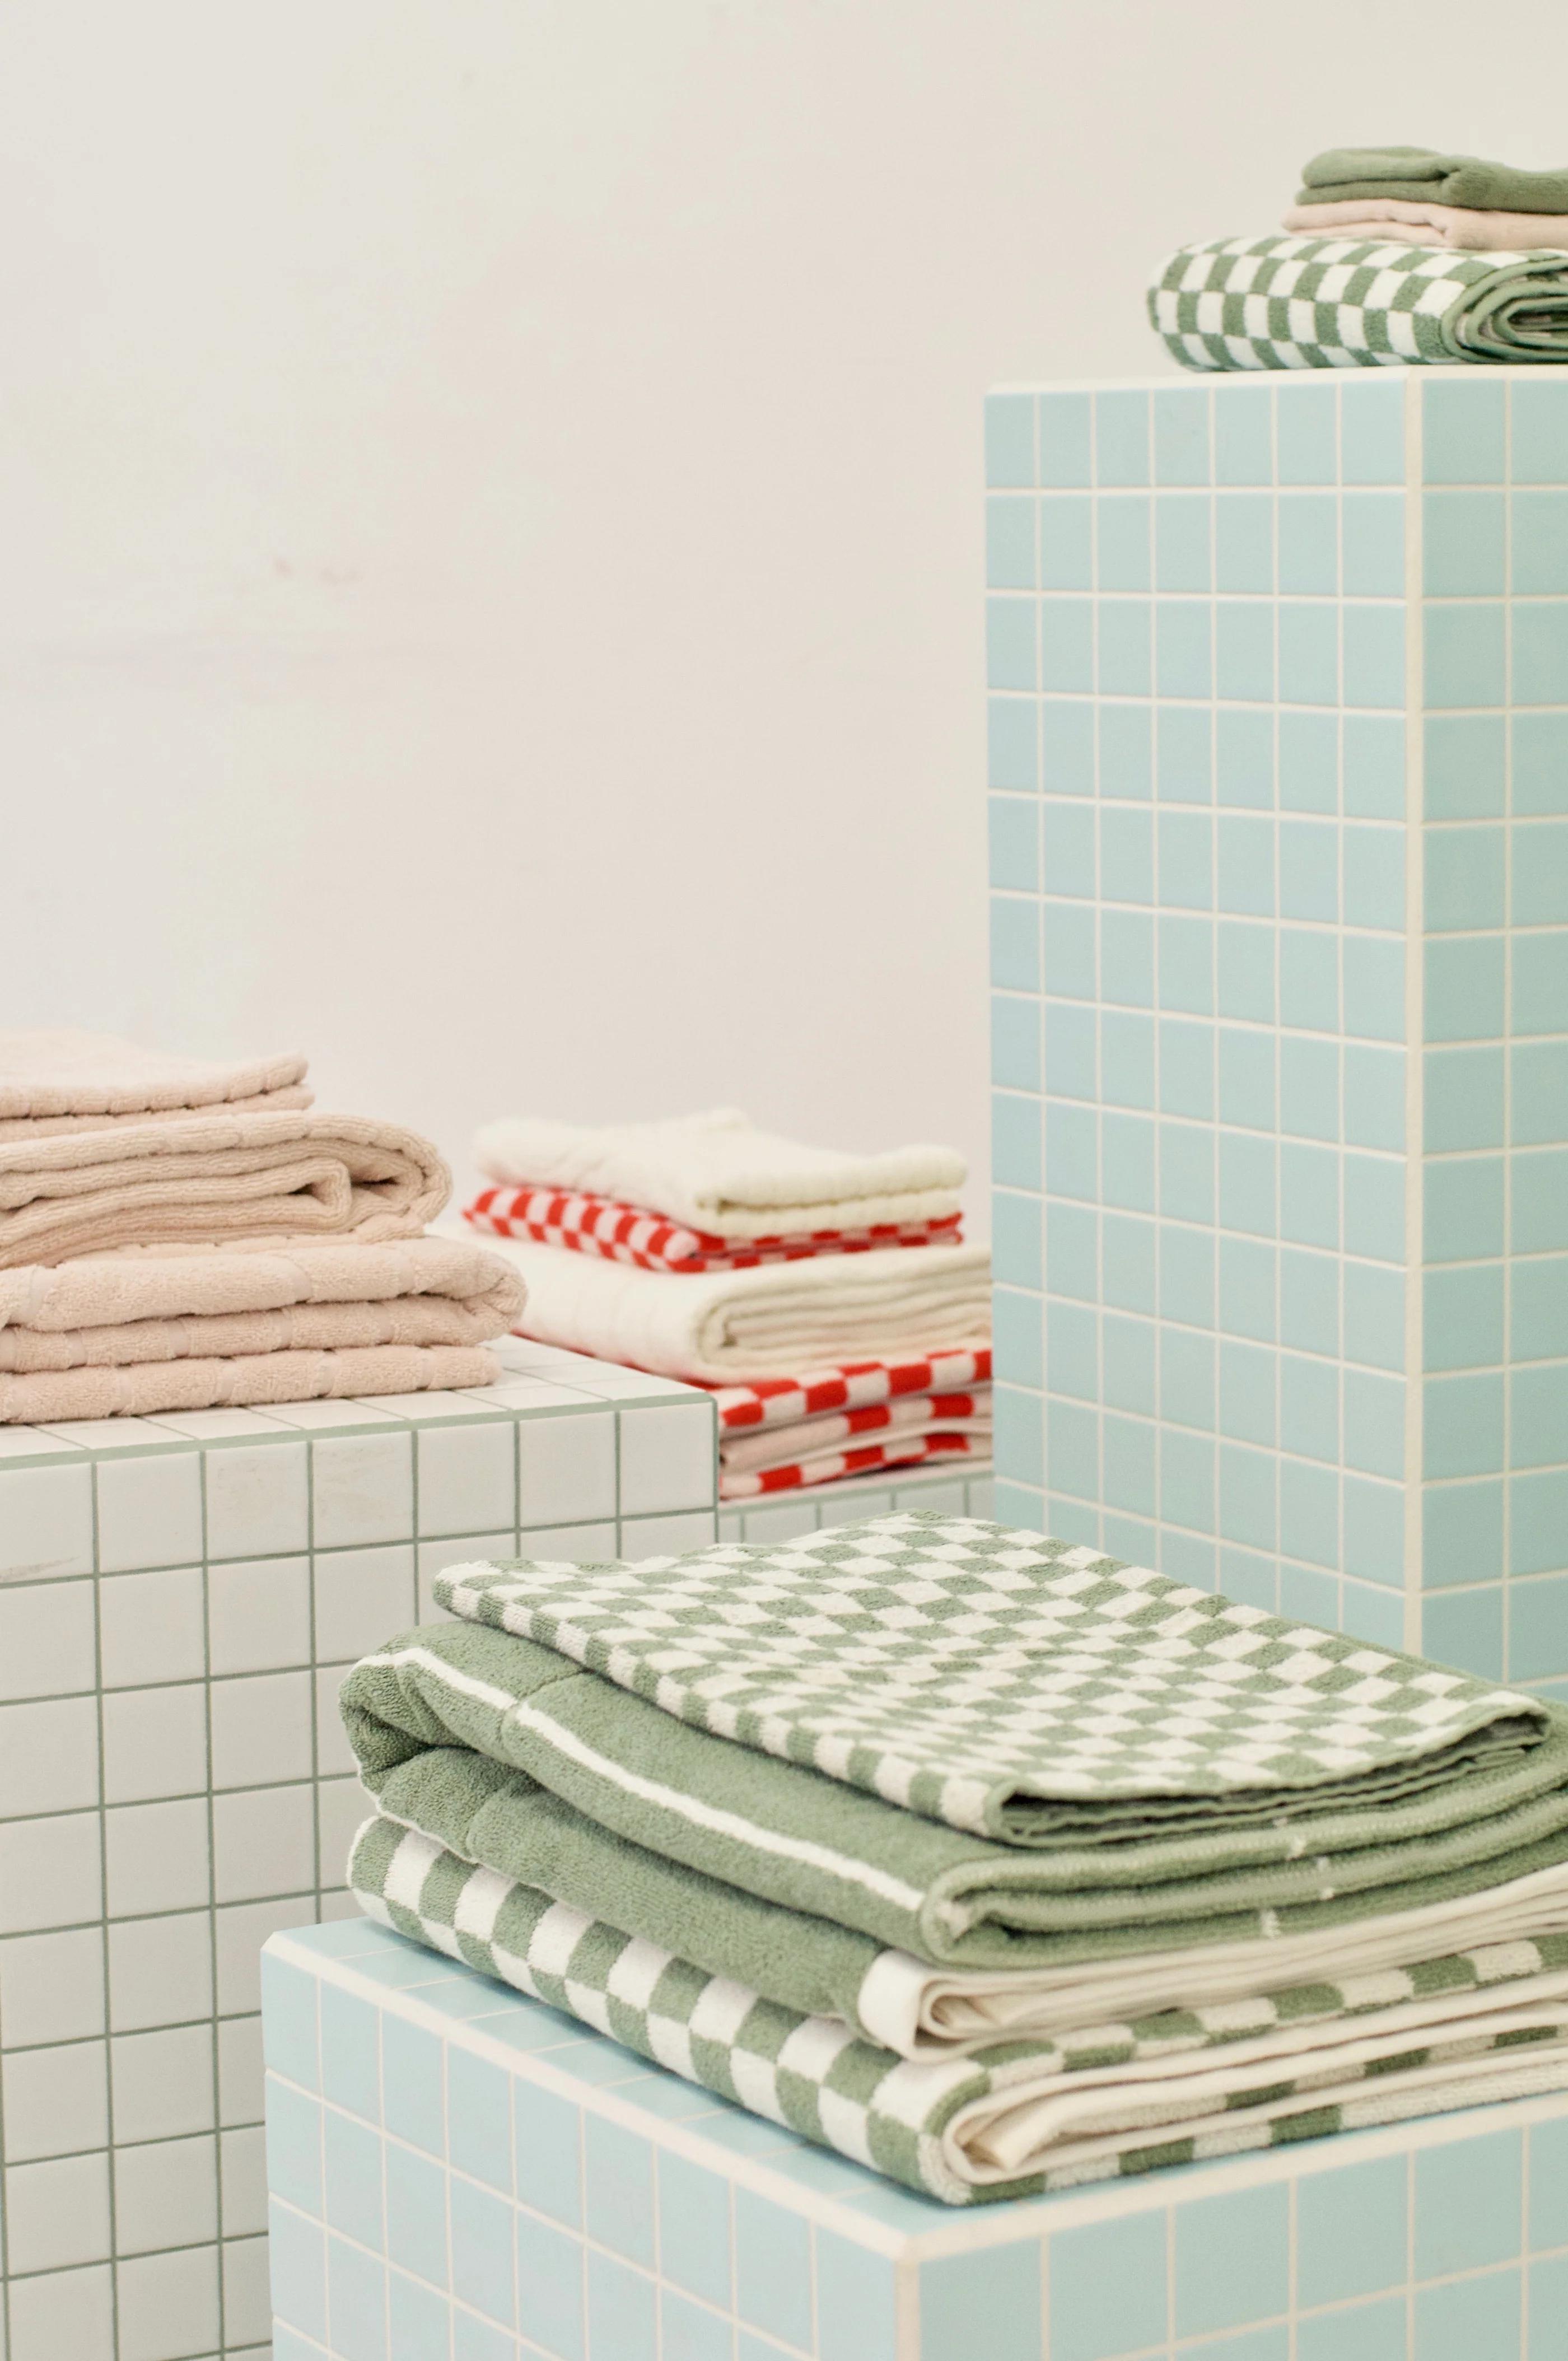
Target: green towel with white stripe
1354	303
936	1783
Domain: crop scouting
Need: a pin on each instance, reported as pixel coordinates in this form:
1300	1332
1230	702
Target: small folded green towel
1343	303
1425	172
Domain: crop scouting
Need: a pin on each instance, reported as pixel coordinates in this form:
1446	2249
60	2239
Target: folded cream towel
733	1325
63	1081
211	1179
719	1173
1457	226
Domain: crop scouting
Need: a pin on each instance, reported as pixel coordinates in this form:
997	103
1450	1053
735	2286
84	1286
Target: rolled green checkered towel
1352	303
1103	2099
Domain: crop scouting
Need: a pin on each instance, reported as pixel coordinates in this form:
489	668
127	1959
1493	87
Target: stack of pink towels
180	1234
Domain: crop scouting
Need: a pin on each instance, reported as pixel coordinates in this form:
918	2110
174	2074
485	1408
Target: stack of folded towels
1395	255
828	1301
990	1863
176	1235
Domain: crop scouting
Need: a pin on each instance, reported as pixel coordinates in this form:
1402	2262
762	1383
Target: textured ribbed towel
144	1330
1346	302
1428	224
716	1172
214	1179
63	1081
1107	2097
1416	172
727	1326
933	1736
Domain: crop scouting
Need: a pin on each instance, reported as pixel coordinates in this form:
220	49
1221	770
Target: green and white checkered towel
1327	302
1016	2118
999	1679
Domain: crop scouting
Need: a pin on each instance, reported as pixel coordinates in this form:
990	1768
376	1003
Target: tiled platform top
536	1379
1487	2184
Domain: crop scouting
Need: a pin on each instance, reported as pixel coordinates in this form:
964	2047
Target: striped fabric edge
828	1467
818	2077
848	1386
649	1241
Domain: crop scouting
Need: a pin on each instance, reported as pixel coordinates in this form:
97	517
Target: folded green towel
1321	303
1424	172
1167	1770
1105	2099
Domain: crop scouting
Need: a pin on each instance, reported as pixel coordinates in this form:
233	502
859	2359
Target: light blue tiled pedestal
457	2174
1278	762
179	1600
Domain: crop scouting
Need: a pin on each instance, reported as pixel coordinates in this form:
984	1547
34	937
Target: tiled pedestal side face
1278	761
481	2177
816	1506
179	1600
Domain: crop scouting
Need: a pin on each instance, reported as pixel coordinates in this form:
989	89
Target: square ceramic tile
362	1488
46	1521
257	1499
468	1477
149	1510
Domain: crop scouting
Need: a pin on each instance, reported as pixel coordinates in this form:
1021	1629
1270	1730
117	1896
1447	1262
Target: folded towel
215	1178
629	1234
1014	2118
61	1081
727	1327
1131	1766
1430	225
717	1173
782	1433
1345	302
1469	181
143	1329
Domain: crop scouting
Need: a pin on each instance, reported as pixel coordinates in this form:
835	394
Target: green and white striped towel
1016	2118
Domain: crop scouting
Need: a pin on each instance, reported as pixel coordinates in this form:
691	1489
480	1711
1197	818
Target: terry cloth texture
782	1433
160	1329
1107	2097
1424	172
61	1081
1224	1777
1346	302
629	1234
1425	224
725	1327
212	1178
718	1174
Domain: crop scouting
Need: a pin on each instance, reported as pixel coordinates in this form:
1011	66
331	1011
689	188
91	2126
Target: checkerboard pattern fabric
961	1670
1321	303
631	1233
781	1434
943	2127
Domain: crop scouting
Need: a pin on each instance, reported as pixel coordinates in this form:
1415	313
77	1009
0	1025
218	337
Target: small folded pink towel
213	1178
63	1081
1422	225
150	1329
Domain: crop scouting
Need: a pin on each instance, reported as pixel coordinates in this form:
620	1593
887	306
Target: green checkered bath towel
1320	302
1014	2118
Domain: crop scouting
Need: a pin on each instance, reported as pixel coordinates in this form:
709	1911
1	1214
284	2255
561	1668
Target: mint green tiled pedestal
1279	770
458	2174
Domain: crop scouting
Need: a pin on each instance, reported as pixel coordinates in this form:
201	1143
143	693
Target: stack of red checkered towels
825	1414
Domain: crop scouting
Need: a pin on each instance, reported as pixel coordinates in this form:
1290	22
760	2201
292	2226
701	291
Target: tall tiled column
1278	762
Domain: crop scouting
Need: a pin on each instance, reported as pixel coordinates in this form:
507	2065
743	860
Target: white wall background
489	521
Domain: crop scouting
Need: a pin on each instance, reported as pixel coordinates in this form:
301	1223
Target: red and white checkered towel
629	1234
780	1434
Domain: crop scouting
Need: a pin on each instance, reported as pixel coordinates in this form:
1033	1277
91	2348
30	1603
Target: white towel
719	1173
734	1324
